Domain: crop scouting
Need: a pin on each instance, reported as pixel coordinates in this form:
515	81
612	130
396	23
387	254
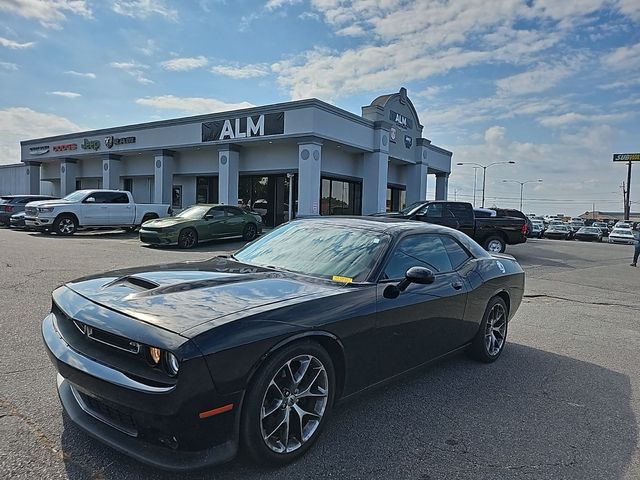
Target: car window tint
234	211
418	251
100	197
461	211
120	197
216	212
434	210
457	254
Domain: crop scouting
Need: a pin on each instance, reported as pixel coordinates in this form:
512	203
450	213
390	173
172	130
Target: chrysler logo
108	141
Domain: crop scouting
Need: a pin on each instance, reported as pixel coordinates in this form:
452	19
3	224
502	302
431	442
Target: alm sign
243	127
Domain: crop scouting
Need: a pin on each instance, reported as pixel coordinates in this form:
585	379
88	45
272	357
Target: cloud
142	9
50	13
573	117
623	58
275	4
184	64
65	94
8	66
241	71
494	135
81	74
21	123
191	105
135	69
5	42
536	80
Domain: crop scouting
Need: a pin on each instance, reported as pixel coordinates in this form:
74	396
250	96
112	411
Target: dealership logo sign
90	144
110	141
65	147
243	127
40	150
400	120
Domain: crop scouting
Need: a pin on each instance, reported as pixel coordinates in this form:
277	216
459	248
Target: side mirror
90	200
208	217
420	275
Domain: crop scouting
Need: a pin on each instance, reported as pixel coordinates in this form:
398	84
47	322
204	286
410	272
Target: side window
100	197
119	198
216	212
233	211
418	251
434	210
461	211
457	254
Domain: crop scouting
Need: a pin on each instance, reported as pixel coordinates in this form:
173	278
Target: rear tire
188	238
491	338
250	232
65	225
495	244
287	404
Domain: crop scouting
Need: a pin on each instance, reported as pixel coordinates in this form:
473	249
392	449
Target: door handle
457	285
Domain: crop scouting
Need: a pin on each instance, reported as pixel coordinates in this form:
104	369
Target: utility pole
475	173
627	204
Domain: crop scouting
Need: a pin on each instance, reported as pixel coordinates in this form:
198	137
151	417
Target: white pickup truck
88	209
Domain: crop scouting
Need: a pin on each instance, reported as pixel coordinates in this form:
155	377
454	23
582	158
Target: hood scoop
131	281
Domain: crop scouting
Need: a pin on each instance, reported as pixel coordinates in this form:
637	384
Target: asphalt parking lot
562	402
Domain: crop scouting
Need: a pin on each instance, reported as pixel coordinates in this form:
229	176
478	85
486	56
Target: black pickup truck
493	233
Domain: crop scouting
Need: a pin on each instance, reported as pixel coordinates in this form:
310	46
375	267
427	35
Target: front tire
65	225
287	404
495	244
188	238
492	334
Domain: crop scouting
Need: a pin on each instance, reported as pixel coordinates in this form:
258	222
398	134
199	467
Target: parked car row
101	209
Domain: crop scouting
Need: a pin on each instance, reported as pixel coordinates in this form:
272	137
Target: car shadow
532	414
85	234
227	244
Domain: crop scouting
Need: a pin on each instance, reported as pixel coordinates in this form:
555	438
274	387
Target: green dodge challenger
200	223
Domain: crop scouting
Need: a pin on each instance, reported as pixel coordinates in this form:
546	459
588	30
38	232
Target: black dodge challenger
179	365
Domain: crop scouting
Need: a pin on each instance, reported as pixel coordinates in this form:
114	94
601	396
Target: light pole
522	184
475	173
484	172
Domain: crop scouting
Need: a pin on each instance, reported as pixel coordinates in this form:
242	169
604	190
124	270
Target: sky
551	85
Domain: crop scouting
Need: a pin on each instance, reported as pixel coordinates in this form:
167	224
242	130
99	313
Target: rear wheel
288	403
188	238
65	225
495	244
492	335
250	232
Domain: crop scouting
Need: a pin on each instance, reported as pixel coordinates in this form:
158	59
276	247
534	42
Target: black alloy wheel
65	225
250	232
288	403
492	334
188	238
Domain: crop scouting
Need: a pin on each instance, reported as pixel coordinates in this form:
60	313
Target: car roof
380	224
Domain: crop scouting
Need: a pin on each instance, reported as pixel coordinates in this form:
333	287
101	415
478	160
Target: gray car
12	204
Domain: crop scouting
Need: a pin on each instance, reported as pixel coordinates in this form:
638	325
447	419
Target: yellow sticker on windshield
338	278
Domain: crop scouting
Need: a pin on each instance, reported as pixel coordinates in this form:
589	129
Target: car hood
167	222
48	203
179	297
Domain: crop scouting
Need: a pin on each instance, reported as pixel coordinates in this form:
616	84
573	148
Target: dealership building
318	158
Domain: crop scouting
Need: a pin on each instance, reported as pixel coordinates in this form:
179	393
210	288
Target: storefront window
340	197
176	196
268	196
207	189
396	199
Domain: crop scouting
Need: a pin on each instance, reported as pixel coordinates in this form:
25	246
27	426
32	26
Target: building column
417	182
309	168
111	172
163	176
228	168
442	186
68	173
33	171
375	171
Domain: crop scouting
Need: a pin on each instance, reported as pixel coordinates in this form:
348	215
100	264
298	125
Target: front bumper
38	223
159	426
158	238
624	241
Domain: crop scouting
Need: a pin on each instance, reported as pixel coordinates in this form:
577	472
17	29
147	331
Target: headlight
171	363
45	209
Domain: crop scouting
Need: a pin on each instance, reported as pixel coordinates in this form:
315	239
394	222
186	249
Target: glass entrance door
268	196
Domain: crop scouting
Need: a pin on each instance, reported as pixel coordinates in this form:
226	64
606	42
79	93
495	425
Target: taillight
8	208
525	228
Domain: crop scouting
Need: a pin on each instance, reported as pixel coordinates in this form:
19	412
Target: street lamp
522	184
484	172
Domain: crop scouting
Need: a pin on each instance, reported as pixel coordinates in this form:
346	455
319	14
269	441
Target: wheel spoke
274	408
284	420
304	367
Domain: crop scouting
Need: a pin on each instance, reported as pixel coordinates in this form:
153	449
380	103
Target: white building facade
326	160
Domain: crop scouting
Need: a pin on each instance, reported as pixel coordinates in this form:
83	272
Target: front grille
106	412
115	341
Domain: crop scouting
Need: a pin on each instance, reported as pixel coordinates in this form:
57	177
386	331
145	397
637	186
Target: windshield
76	196
622	231
194	213
319	249
589	230
409	208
